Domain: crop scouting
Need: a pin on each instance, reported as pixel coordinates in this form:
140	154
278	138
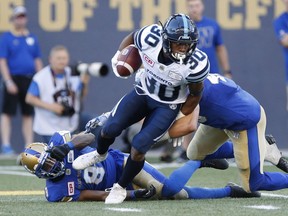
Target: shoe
238	192
7	150
273	154
221	164
117	195
166	158
283	164
89	159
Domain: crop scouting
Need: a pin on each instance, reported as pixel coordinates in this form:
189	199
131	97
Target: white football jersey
167	83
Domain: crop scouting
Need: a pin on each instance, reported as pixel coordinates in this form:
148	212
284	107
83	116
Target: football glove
177	141
114	62
59	152
98	121
144	193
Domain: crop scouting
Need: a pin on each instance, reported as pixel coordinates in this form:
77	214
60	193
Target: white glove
114	62
177	141
98	121
139	74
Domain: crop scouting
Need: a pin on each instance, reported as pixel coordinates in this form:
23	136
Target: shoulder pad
141	37
199	66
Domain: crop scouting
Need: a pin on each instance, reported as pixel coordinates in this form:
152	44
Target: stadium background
93	29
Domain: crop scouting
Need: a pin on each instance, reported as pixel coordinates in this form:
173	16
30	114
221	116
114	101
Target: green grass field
17	197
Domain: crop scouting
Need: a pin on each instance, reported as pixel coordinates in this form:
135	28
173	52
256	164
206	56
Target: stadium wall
92	31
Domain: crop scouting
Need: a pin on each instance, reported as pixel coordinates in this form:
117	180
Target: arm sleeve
34	89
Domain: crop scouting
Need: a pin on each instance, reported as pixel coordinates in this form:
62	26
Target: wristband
71	145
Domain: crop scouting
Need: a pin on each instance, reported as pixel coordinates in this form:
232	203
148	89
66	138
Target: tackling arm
78	141
185	125
193	98
95	195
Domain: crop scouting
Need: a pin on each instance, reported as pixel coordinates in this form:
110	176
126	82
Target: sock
131	169
103	143
207	193
178	178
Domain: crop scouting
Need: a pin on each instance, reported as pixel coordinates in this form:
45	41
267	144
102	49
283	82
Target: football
129	61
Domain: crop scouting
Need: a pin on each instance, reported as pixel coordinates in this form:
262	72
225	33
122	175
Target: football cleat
89	159
238	192
274	155
116	195
221	164
283	164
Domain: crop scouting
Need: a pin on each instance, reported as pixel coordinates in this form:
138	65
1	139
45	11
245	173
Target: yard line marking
16	173
12	168
274	195
265	207
124	209
20	193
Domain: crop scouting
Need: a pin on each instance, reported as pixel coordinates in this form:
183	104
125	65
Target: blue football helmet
38	162
179	28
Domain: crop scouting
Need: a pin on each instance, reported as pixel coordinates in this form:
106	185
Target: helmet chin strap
179	56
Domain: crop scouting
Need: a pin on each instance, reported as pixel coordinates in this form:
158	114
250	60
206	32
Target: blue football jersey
225	105
209	38
98	177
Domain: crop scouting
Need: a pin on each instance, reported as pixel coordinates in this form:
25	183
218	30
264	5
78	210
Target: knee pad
142	142
112	130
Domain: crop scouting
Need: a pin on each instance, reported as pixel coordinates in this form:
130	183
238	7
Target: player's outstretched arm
78	141
94	195
185	125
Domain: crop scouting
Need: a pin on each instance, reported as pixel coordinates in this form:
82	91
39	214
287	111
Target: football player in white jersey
174	74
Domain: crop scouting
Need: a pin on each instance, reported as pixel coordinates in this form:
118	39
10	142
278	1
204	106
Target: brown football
129	61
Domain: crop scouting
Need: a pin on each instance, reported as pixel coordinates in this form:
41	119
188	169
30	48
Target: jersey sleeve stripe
200	76
137	38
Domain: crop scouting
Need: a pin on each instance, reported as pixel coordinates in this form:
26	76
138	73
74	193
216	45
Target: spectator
210	38
19	60
281	31
56	95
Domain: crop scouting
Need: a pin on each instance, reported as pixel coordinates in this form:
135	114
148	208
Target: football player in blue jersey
63	183
173	67
229	112
210	38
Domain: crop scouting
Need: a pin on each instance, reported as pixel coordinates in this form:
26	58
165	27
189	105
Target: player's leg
205	142
174	185
167	187
156	123
9	108
249	151
130	109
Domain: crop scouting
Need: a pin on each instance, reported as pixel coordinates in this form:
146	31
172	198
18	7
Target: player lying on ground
63	183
